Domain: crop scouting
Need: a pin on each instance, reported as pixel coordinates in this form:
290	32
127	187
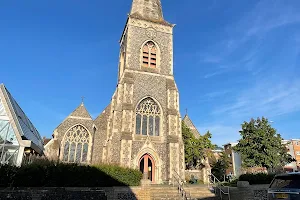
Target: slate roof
188	122
25	127
46	140
81	111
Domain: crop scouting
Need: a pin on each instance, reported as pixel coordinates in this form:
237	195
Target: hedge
68	175
260	178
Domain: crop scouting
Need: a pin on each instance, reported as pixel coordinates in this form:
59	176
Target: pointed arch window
148	116
76	145
149	55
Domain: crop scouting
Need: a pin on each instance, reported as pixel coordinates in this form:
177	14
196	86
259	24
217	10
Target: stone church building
141	127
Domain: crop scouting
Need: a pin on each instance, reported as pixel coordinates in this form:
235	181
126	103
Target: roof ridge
191	126
75	112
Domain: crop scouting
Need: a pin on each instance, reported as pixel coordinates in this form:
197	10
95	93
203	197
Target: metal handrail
218	184
180	183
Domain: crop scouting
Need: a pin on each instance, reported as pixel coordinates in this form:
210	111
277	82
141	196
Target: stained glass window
144	130
66	151
85	152
148	117
157	121
72	152
78	152
138	124
151	125
76	145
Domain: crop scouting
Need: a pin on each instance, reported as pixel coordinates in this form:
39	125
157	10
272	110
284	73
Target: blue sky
233	59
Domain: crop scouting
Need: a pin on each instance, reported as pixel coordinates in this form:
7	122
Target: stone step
163	188
206	198
175	188
200	193
207	193
164	193
167	192
174	197
193	196
166	198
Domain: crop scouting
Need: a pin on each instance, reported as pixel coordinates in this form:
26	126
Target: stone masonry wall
138	35
109	193
252	192
100	136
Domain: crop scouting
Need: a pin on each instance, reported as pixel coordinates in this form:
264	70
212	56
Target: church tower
141	127
144	124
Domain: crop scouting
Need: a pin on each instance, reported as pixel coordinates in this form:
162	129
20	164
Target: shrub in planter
52	174
125	176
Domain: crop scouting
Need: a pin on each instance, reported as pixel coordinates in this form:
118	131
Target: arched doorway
147	167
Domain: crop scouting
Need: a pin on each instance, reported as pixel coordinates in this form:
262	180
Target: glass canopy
15	127
9	145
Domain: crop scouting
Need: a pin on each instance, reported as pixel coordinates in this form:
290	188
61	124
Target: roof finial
82	100
186	111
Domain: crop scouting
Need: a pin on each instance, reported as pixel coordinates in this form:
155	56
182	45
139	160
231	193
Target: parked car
285	187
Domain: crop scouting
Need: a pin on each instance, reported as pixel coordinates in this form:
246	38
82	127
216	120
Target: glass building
18	137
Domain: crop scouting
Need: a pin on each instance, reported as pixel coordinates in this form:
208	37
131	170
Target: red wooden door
147	167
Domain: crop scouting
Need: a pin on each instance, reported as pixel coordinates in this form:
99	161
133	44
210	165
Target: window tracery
149	55
76	145
148	116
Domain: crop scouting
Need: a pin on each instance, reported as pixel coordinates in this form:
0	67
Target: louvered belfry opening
149	55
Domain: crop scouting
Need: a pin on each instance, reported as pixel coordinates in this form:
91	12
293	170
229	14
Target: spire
82	100
148	10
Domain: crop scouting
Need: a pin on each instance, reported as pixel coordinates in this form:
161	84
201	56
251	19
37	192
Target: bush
7	174
260	178
123	175
53	174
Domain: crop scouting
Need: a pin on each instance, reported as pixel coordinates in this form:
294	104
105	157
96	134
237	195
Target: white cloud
271	87
267	16
252	28
217	93
264	99
215	73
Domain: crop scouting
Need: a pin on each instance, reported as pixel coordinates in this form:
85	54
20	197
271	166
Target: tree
261	146
219	167
196	149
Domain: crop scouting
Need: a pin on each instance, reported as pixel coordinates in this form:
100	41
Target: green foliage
51	174
195	148
260	178
7	174
232	183
261	146
123	175
219	168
